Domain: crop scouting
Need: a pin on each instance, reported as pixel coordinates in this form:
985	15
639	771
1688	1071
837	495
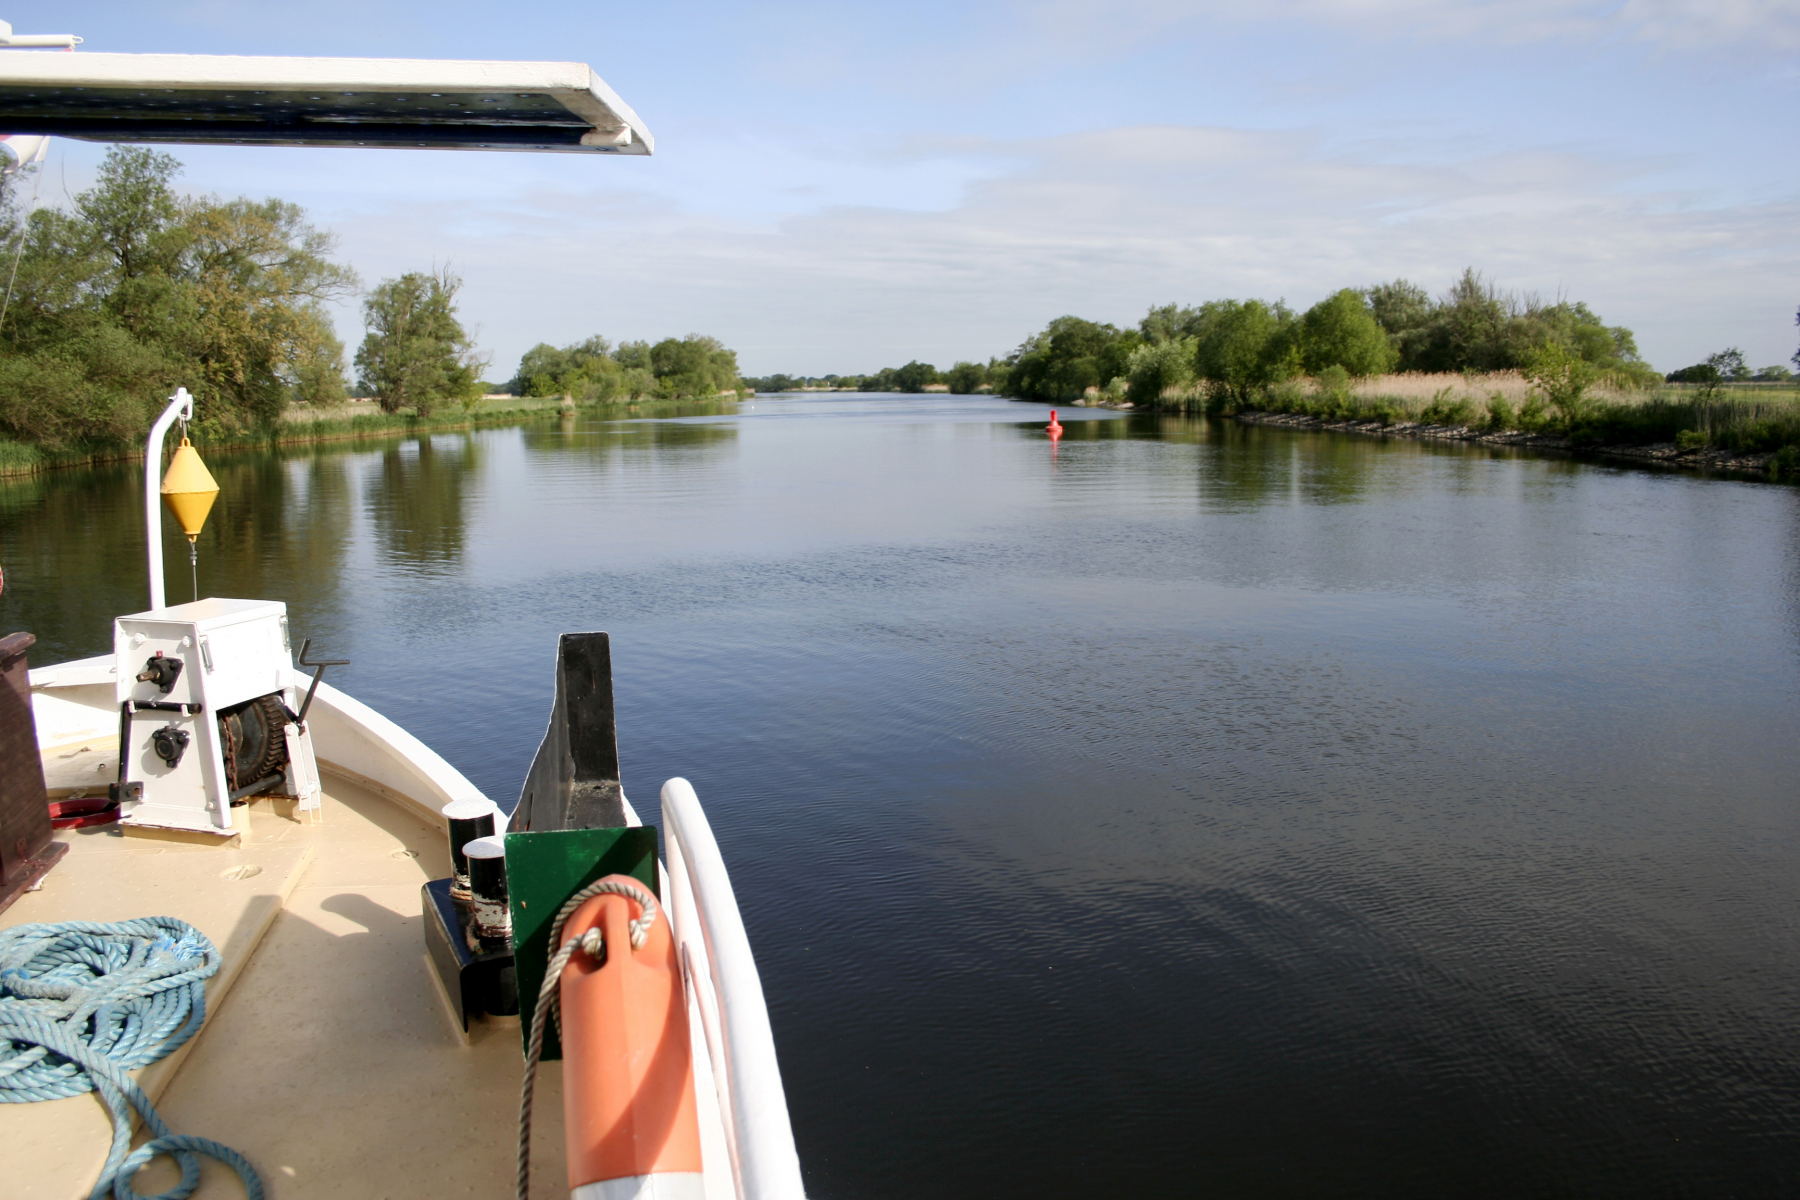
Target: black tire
253	739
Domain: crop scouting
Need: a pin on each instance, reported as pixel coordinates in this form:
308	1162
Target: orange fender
628	1071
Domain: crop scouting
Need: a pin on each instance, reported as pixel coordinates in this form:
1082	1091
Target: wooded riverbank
1719	426
337	424
1706	458
19	458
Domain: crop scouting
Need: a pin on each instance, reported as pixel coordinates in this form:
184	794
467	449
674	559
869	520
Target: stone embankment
1666	453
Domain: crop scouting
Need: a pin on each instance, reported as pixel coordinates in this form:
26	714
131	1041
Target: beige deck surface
82	769
330	1063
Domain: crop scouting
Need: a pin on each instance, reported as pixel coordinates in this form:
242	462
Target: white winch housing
230	651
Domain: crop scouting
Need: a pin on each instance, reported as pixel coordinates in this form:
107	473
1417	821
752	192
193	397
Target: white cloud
1681	26
1105	224
821	219
1769	26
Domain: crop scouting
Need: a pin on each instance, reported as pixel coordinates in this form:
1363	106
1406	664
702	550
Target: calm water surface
1183	810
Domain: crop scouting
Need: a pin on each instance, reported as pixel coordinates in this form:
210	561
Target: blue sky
840	187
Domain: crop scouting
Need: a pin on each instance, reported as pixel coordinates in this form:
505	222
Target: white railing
354	740
721	973
181	406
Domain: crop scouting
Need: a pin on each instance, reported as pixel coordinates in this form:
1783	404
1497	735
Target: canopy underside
404	103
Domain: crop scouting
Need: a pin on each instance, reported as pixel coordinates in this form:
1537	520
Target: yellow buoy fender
189	489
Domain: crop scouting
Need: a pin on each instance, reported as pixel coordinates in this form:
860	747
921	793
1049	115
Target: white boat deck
330	1057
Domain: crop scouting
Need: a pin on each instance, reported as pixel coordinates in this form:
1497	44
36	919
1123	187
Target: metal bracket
185	709
476	981
262	785
305	645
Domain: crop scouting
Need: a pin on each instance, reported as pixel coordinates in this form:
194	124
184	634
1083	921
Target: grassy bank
348	423
1738	419
301	425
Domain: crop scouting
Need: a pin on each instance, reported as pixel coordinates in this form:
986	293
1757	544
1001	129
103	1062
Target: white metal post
180	405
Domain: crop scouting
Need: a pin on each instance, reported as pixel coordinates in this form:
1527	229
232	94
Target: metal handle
305	645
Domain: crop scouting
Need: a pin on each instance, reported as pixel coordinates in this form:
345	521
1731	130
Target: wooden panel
574	780
26	851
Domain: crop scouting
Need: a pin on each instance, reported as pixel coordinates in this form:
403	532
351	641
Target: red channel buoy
1053	429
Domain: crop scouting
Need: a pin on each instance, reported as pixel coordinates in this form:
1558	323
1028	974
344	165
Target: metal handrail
721	971
181	406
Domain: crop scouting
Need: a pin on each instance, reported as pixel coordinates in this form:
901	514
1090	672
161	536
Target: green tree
1729	363
775	383
1341	331
1563	377
319	374
884	380
586	371
134	290
1610	349
695	365
1477	327
1242	347
1246	346
1068	357
73	369
965	378
541	371
133	215
1159	366
259	280
1171	321
1471	329
1698	373
1402	309
634	360
915	376
416	354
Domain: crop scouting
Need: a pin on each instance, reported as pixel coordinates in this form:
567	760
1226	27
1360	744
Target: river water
1183	809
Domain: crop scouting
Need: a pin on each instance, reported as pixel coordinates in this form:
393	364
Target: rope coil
593	944
84	1002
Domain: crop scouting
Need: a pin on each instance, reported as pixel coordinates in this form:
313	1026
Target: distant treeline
595	371
1584	378
1229	351
964	378
1225	353
1728	366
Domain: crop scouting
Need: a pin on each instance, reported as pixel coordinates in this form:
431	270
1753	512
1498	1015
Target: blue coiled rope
82	1003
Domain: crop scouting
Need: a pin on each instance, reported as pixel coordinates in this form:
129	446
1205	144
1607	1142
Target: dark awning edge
239	100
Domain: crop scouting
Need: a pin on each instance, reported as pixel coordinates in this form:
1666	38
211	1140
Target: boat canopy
255	101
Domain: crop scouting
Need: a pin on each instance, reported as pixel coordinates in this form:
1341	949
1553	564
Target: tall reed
1743	420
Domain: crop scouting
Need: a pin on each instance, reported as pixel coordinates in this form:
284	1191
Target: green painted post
542	871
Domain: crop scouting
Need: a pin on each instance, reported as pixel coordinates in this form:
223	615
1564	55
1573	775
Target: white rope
549	998
24	224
